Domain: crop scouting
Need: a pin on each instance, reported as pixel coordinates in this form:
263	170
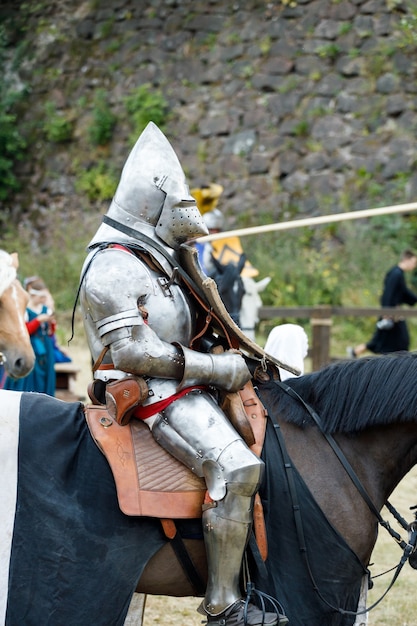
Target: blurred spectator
3	376
289	344
391	334
60	355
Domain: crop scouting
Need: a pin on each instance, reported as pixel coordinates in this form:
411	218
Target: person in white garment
288	342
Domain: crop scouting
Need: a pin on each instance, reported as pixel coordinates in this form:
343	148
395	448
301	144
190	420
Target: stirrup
244	613
262	597
241	615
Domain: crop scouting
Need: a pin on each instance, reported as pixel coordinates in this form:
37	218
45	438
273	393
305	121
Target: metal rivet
106	422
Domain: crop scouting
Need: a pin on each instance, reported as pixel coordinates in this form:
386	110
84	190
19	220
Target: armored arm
226	371
113	300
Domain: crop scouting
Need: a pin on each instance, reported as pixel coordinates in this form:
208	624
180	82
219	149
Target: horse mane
7	271
350	396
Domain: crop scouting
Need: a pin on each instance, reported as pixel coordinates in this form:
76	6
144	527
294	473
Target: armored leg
196	432
226	528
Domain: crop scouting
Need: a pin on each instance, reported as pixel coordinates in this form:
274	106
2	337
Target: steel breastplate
171	314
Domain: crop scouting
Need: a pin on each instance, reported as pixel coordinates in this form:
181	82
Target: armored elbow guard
227	371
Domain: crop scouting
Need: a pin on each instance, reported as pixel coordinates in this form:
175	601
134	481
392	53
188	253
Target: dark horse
230	285
76	559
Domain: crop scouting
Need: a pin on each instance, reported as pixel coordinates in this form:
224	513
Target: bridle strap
346	465
336	449
100	358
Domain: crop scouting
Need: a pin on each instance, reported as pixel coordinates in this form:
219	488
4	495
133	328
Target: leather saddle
151	482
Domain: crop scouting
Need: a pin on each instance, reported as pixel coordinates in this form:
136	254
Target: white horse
251	302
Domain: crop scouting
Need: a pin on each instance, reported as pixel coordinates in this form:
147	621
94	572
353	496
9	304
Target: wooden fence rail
320	317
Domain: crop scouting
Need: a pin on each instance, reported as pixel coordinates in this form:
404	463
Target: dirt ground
172	611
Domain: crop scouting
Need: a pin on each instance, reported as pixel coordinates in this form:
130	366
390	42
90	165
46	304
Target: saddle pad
149	481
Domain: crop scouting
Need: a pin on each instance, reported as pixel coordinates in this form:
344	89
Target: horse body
15	348
230	285
79	539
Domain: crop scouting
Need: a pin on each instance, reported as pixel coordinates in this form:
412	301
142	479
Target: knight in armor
140	320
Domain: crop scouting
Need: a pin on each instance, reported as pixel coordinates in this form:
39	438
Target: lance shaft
311	221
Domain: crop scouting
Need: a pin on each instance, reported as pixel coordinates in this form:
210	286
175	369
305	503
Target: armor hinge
165	284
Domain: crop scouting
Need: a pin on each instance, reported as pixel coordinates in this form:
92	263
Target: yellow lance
311	221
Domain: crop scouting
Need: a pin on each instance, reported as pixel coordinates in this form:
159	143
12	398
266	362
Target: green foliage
107	28
104	121
32	8
345	28
408	30
145	104
12	149
265	45
301	129
57	127
378	62
328	51
97	183
12	141
57	256
340	265
314	278
210	40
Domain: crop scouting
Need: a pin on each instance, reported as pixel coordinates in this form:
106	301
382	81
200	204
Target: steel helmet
153	196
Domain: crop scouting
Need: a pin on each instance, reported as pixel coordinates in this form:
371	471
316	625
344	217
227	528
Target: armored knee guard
226	526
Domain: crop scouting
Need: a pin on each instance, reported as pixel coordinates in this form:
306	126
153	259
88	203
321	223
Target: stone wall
295	110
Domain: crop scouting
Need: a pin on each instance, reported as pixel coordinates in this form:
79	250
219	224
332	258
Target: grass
399	607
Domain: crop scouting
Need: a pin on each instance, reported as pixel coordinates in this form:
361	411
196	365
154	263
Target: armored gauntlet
227	371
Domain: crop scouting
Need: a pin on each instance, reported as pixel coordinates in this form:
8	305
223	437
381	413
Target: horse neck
382	456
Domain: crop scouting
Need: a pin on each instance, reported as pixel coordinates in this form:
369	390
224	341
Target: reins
408	548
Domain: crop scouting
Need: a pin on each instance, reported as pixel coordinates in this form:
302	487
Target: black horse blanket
336	569
76	558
